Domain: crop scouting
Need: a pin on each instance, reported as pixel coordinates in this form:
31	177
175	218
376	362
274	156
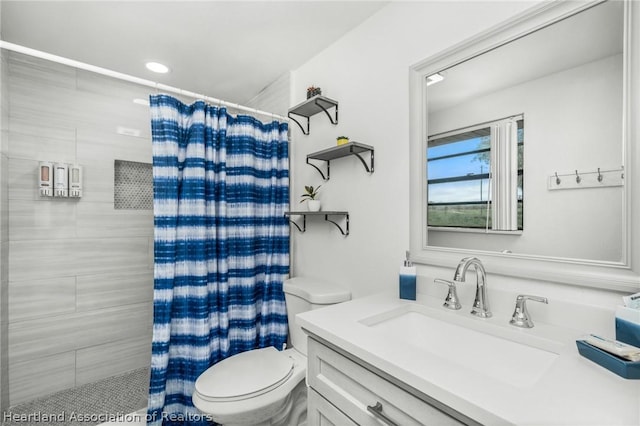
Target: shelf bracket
305	132
320	171
346	217
304	224
327	112
366	167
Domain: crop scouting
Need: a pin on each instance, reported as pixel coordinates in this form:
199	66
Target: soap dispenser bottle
408	280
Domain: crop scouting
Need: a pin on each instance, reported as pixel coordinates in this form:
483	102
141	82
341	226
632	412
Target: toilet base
292	412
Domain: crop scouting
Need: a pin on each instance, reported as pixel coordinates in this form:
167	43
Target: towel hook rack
598	178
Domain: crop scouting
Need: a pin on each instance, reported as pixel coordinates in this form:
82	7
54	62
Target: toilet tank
304	294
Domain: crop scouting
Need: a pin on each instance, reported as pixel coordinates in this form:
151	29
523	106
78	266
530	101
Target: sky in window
469	191
463	165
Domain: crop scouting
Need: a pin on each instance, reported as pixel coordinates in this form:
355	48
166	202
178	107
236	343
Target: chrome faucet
521	317
451	302
481	302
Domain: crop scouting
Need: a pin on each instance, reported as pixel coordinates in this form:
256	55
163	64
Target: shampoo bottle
408	280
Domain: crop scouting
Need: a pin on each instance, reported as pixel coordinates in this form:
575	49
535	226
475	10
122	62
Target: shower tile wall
80	276
4	234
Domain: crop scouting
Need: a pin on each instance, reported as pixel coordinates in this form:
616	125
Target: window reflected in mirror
475	177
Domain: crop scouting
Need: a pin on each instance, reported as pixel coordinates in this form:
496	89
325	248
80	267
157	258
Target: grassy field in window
463	215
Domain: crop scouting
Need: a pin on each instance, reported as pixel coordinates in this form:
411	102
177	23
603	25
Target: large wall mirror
526	147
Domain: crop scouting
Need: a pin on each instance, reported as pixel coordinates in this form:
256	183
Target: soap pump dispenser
408	280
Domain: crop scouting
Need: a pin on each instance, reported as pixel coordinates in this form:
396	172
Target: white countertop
572	391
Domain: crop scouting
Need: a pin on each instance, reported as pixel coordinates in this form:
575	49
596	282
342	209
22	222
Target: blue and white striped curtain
221	187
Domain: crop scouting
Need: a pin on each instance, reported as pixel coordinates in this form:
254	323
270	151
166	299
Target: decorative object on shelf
313	91
310	196
312	107
314	205
342	140
351	148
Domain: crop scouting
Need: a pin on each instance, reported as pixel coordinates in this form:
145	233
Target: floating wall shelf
351	148
326	215
313	106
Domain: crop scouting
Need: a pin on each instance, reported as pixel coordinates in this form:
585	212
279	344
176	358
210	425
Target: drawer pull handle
376	410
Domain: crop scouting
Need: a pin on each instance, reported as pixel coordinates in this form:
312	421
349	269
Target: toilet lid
245	375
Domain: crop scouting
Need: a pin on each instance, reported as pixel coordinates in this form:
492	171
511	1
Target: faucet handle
521	317
451	301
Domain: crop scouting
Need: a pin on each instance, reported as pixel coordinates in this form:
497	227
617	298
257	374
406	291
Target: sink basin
488	349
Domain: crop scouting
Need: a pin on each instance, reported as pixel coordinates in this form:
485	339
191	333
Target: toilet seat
245	375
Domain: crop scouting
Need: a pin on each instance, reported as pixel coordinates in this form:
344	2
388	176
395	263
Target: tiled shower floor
137	418
90	404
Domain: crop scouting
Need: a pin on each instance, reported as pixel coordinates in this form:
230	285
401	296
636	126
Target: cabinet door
365	397
321	413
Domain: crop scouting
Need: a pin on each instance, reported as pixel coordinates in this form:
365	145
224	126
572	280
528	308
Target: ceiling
225	49
593	34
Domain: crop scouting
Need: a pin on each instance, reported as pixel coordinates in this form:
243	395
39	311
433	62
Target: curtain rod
120	76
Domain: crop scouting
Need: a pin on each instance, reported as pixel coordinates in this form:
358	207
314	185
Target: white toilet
266	386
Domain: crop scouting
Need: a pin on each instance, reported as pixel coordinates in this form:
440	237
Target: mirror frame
619	276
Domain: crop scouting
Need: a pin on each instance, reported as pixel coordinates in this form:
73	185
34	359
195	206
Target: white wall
273	98
367	71
572	122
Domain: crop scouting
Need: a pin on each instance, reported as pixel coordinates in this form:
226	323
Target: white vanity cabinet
320	412
345	392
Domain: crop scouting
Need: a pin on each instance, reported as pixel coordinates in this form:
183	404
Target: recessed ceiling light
141	101
434	78
157	67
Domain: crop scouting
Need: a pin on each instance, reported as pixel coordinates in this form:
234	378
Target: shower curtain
221	187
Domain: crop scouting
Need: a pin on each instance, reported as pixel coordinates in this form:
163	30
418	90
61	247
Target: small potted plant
310	194
342	140
313	91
